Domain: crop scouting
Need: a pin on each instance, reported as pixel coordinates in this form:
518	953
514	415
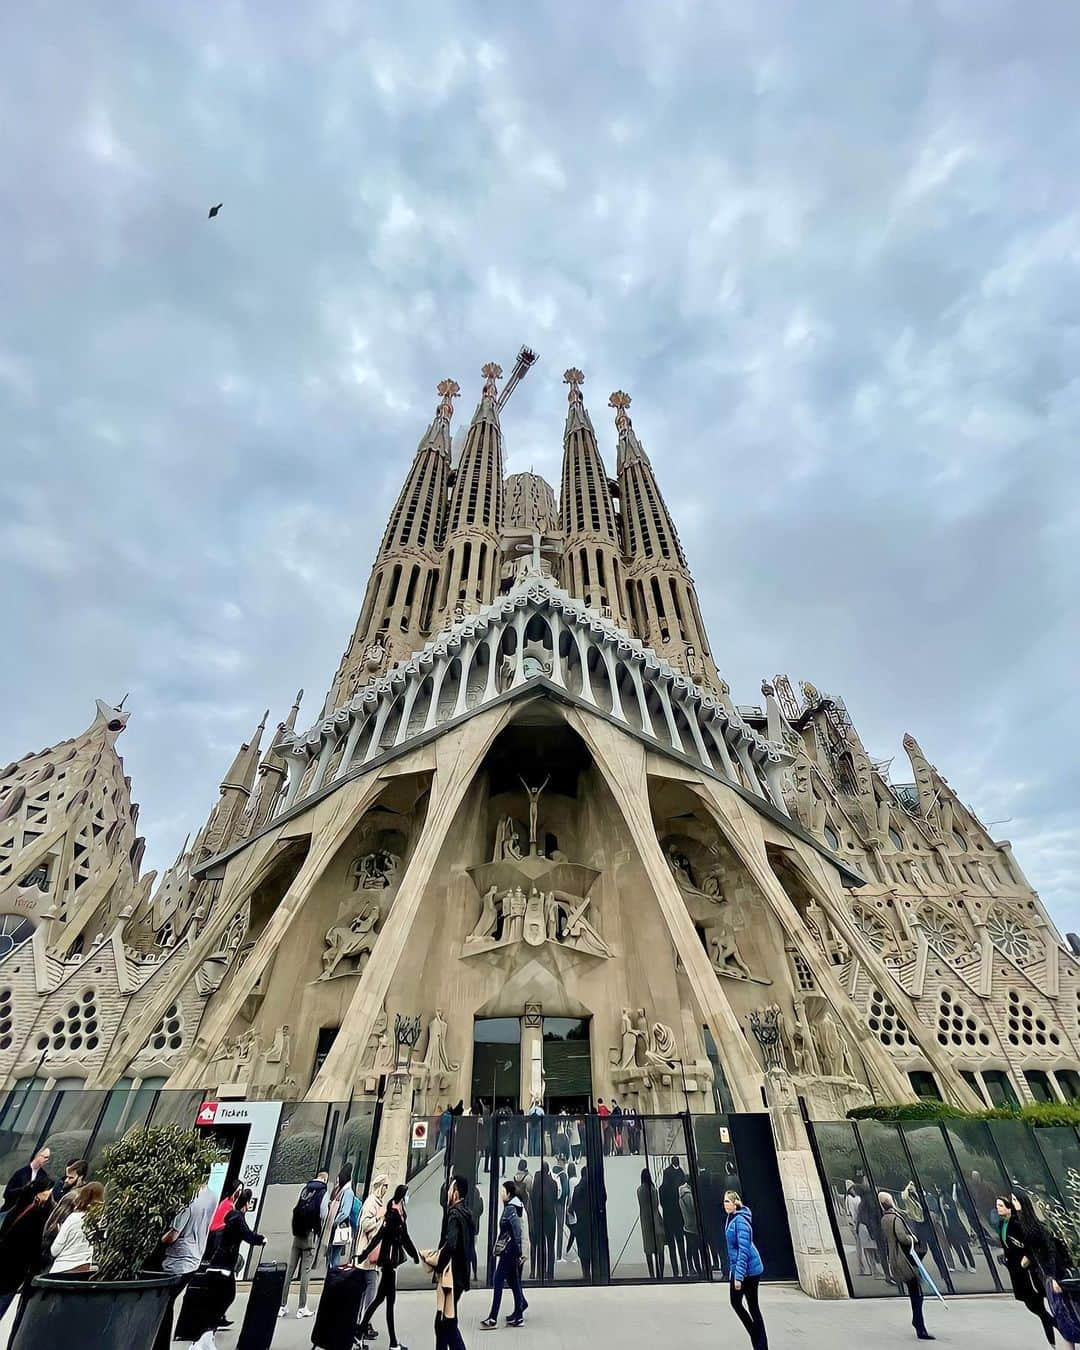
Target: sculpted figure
375	871
831	1049
662	1052
437	1060
489	916
345	941
534	809
630	1038
680	866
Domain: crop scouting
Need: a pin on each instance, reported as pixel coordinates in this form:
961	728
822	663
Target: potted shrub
149	1176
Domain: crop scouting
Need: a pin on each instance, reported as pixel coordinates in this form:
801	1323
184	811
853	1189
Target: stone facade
530	796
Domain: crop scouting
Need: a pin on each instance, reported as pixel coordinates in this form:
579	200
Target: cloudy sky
831	249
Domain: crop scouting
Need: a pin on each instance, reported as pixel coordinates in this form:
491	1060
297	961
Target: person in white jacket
71	1251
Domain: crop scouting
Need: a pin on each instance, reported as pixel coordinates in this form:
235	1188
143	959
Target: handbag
342	1234
501	1244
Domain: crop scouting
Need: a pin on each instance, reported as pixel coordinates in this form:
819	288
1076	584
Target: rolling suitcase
261	1314
201	1305
339	1307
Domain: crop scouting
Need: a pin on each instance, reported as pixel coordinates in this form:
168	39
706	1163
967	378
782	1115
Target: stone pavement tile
695	1317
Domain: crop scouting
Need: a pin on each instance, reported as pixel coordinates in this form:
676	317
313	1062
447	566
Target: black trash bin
260	1317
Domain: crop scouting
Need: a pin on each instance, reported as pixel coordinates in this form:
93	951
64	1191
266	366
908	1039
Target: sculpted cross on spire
620	402
574	378
491	372
448	390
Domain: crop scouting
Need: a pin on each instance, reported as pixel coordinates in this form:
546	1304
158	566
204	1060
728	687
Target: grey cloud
830	250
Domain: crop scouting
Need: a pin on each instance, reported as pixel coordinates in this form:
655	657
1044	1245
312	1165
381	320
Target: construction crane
526	359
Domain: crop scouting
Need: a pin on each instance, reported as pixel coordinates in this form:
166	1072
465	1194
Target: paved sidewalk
694	1317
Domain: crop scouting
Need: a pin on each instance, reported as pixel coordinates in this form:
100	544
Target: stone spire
592	569
663	601
399	605
272	774
221	828
472	549
69	854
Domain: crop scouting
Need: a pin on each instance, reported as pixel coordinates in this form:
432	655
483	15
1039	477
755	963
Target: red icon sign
207	1114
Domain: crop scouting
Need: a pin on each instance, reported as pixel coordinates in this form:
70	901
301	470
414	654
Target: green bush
149	1176
1037	1114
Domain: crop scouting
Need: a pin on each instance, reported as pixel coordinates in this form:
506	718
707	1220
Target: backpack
307	1212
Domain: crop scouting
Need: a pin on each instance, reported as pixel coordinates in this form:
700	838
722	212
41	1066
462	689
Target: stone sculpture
489	917
436	1059
375	871
629	1041
507	840
661	1052
351	941
832	1052
767	1027
534	811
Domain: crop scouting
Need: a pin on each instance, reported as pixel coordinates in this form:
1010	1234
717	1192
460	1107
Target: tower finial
574	378
620	401
491	372
448	390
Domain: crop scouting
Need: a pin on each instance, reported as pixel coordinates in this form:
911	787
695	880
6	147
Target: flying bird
214	210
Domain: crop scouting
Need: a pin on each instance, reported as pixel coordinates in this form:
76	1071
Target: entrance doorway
567	1065
496	1078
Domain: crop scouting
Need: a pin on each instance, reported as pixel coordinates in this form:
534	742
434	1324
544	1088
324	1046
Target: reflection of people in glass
652	1227
691	1234
1018	1229
911	1204
542	1205
711	1196
869	1243
670	1209
584	1227
955	1232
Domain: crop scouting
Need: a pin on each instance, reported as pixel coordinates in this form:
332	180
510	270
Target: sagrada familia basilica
531	801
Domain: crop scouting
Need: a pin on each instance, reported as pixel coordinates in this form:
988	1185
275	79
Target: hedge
1037	1114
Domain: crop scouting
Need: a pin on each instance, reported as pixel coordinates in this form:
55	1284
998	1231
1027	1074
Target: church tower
592	569
664	609
398	609
473	552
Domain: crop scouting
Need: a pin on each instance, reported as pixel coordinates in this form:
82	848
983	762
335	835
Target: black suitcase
261	1315
339	1307
203	1299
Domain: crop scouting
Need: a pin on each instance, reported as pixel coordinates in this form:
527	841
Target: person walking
674	1237
222	1261
584	1230
1017	1229
476	1208
652	1226
747	1268
389	1247
536	1127
898	1257
226	1205
20	1236
574	1133
185	1243
1053	1263
26	1176
562	1195
523	1186
616	1123
342	1234
604	1112
691	1234
371	1217
308	1217
453	1256
446	1120
508	1260
71	1252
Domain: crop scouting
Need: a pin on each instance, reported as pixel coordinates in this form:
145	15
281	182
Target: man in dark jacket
37	1166
674	1233
454	1251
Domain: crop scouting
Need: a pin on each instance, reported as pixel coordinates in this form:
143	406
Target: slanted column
695	731
669	716
406	712
721	747
643	705
613	680
583	654
520	622
774	776
298	762
385	705
491	689
752	780
326	754
436	689
358	722
555	620
468	649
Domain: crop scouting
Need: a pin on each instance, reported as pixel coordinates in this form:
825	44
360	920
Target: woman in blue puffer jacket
744	1262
